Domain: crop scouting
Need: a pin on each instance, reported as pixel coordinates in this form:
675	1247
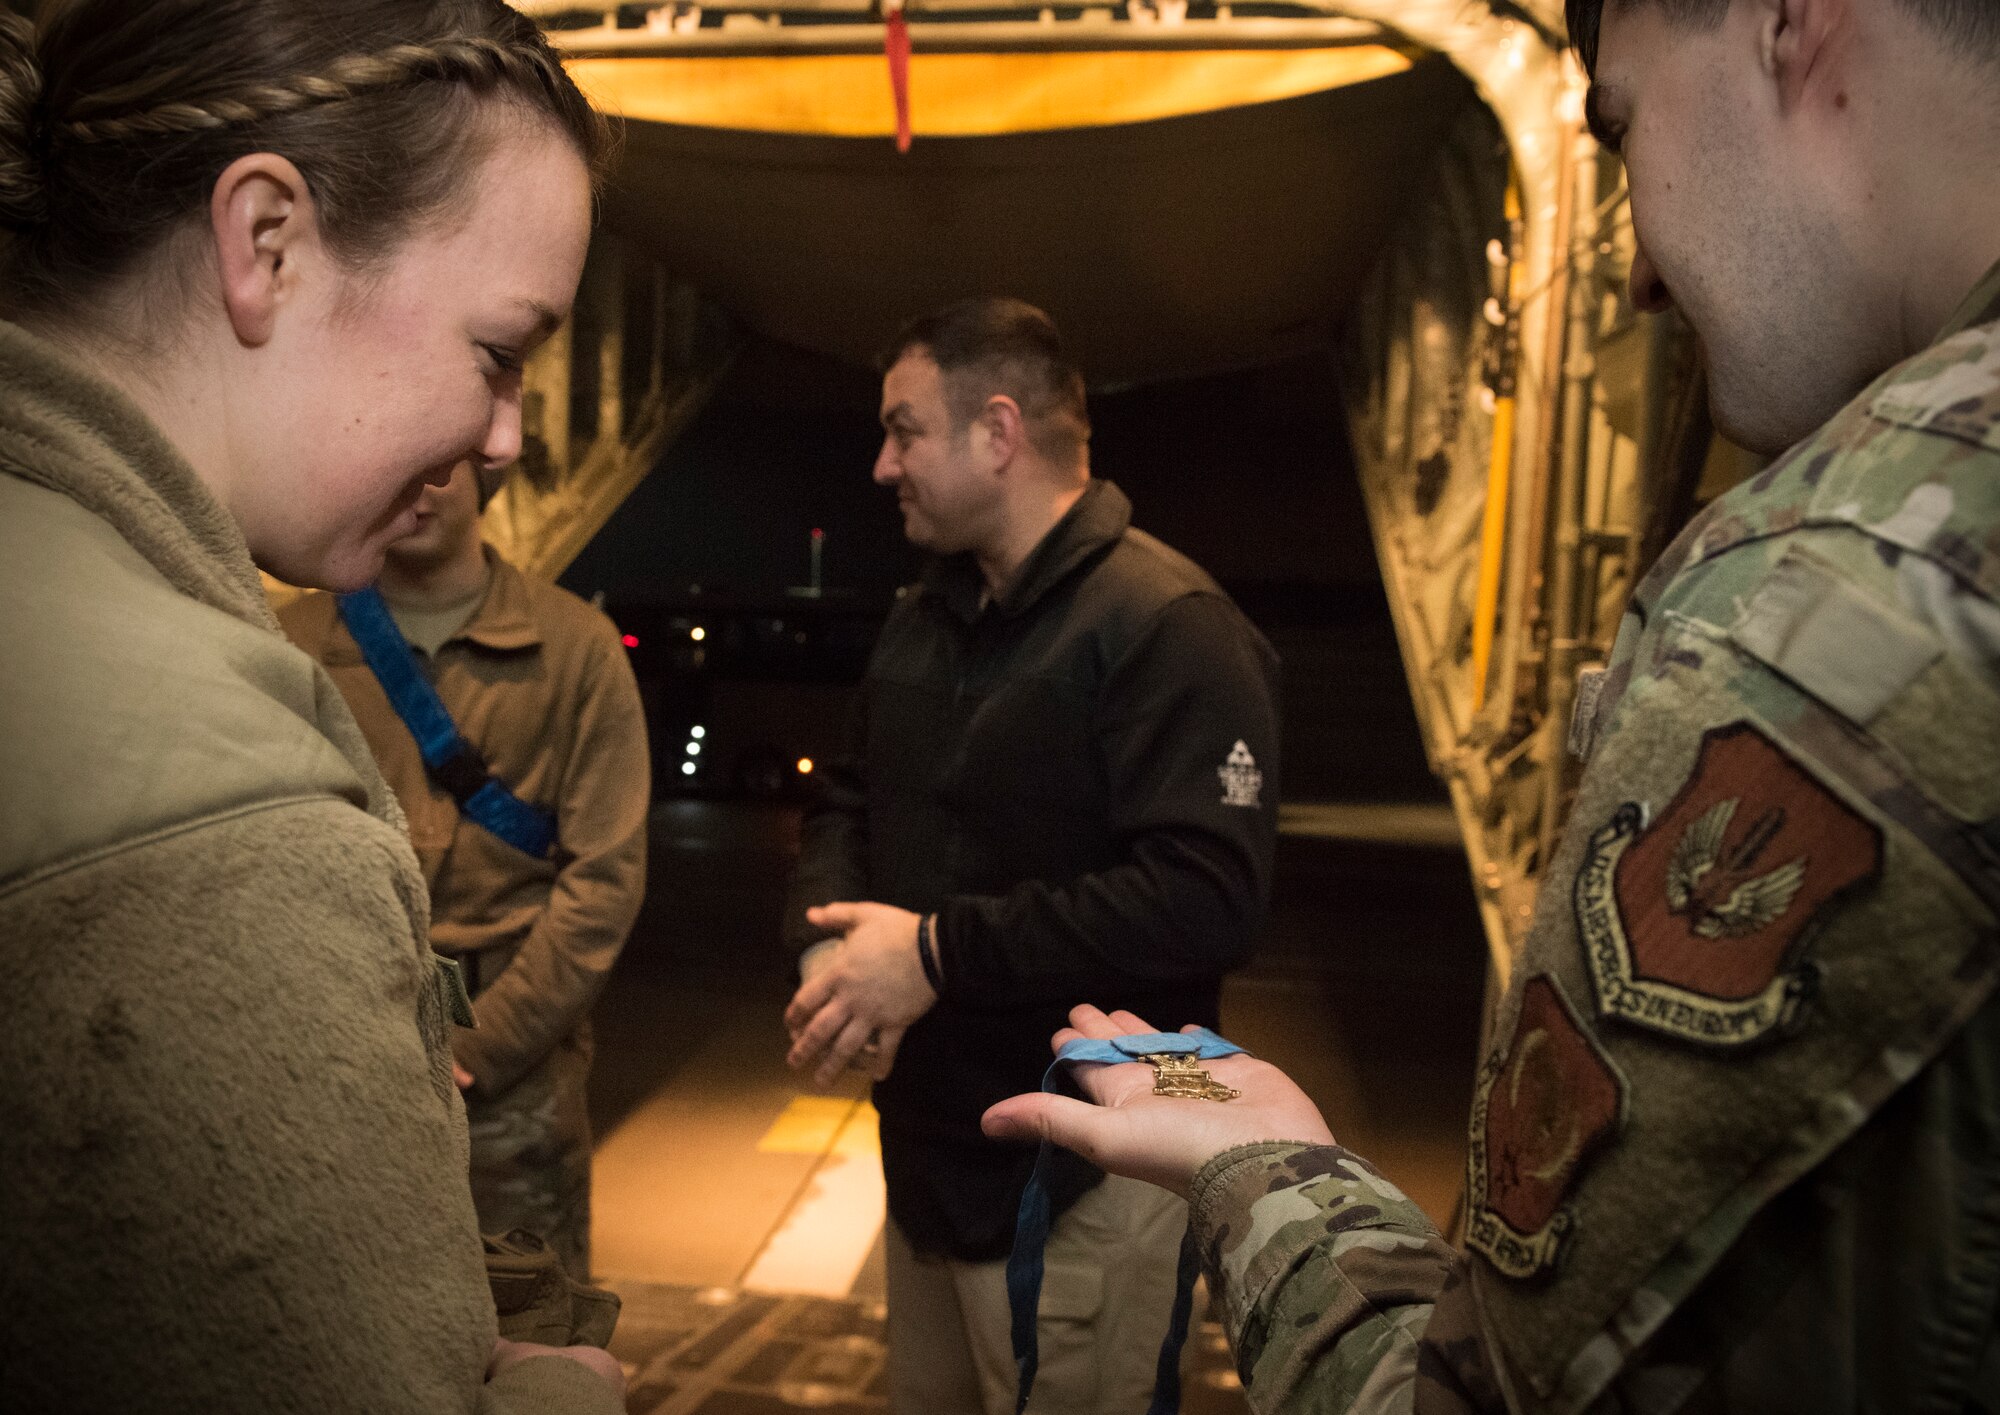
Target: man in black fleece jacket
1064	790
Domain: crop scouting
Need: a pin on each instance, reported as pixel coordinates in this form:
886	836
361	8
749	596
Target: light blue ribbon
1031	1229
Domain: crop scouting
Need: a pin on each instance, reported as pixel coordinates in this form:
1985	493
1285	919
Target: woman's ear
266	233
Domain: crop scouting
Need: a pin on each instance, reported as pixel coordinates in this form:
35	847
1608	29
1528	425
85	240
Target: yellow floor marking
822	1244
861	1136
808	1126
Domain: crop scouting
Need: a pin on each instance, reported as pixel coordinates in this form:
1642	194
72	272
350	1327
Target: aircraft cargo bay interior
1338	295
1328	270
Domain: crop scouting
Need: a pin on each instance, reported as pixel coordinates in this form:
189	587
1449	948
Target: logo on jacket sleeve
1242	782
1543	1107
1694	926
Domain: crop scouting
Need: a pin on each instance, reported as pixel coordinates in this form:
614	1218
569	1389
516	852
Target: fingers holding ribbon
1096	1042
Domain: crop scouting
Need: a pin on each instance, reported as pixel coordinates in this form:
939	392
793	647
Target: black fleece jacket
1080	780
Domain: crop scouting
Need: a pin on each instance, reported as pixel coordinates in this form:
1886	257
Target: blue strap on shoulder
452	762
1031	1230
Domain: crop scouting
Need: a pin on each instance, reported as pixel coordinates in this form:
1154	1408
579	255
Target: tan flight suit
538	681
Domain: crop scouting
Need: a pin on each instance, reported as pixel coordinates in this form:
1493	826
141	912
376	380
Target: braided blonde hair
481	62
116	119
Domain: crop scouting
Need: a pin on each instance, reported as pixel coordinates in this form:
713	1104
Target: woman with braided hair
269	267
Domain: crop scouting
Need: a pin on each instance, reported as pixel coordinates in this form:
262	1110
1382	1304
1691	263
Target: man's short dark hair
986	347
1585	16
1970	28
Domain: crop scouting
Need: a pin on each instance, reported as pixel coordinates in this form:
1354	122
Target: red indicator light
631	641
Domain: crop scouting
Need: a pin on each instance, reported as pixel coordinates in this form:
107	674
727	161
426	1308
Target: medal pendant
1179	1074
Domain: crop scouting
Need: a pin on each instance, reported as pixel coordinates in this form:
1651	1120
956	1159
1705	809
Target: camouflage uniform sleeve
1335	1290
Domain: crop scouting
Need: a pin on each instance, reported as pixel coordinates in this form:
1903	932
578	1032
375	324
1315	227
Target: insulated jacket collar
1101	515
65	428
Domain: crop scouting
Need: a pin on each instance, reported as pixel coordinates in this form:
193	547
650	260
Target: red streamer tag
896	45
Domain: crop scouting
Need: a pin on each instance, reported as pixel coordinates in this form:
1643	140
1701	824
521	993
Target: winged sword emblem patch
1695	926
1751	901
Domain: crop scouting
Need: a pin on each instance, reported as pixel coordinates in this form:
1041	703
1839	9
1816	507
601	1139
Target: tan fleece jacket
232	1161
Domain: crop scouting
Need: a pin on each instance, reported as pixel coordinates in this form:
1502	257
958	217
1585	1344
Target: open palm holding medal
1136	1125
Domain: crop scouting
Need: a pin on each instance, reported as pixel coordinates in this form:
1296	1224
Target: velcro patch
1810	622
1542	1108
1693	927
457	1001
1583	721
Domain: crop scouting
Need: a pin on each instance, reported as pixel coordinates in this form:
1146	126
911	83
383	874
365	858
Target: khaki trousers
1107	1291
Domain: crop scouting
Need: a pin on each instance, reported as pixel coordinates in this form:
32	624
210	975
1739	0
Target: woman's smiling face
387	379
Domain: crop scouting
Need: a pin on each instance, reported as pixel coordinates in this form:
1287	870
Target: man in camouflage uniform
539	683
1737	1145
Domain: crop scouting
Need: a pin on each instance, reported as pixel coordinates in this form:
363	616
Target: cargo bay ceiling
1184	197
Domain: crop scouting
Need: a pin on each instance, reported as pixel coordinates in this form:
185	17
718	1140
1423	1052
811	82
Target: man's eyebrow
1608	137
900	410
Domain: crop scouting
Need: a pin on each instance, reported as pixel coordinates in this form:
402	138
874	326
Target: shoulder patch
1542	1108
1812	622
1693	926
1242	780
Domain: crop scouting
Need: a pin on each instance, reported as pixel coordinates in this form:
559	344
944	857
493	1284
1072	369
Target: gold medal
1180	1074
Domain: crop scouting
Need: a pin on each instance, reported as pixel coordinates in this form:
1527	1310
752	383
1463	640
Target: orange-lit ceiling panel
967	95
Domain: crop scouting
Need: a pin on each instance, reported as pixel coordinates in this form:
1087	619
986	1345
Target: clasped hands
860	995
870	986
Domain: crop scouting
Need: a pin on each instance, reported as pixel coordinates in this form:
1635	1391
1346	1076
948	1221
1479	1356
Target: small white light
697	732
687	768
697	633
694	749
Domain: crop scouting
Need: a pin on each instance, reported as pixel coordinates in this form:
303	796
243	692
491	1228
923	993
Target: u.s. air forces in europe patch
1544	1105
1694	926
